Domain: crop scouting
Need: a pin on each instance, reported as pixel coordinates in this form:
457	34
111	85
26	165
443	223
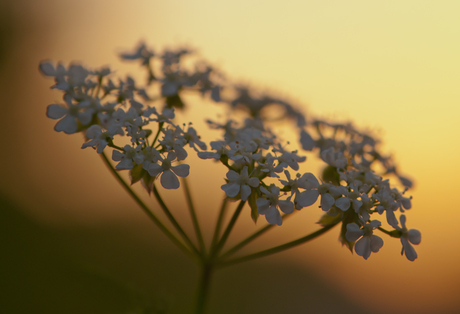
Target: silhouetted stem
196	225
174	221
227	231
220	218
203	288
278	248
144	207
252	237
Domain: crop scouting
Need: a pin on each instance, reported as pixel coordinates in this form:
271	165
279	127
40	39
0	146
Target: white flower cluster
349	192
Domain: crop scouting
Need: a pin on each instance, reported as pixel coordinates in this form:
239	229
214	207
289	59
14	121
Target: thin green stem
174	221
220	219
144	207
394	233
203	288
229	228
278	248
196	225
252	237
160	126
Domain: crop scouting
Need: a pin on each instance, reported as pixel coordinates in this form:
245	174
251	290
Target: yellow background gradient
389	66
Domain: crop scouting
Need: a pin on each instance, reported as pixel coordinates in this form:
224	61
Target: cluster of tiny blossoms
261	170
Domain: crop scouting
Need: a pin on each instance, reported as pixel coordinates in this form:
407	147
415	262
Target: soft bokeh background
74	242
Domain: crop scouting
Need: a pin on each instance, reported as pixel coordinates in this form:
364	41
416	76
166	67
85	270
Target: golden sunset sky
389	66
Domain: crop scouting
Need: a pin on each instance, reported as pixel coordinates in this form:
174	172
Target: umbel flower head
137	122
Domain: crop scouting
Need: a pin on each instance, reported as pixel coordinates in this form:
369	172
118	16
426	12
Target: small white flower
334	159
98	138
173	140
219	146
291	159
147	156
165	116
369	242
270	166
387	204
268	206
70	116
168	173
239	183
192	138
126	158
306	181
409	236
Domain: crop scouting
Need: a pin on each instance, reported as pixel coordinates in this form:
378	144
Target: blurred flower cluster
261	170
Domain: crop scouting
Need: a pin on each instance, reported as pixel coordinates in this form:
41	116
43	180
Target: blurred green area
105	269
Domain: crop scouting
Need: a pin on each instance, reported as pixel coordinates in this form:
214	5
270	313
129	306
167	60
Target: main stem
203	288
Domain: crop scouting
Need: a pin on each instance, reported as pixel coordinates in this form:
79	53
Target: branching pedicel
350	191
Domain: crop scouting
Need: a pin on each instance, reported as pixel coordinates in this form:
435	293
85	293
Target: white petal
391	218
286	207
47	69
124	164
363	247
353	232
414	236
231	189
181	153
408	249
93	131
101	146
117	156
155	169
232	175
310	177
55	111
308	198
262	206
357	205
376	243
264	190
254	182
327	200
169	180
273	216
375	223
406	203
68	124
245	192
85	117
181	170
63	85
91	143
169	113
208	155
402	218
